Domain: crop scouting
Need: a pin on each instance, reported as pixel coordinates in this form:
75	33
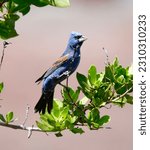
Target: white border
141	142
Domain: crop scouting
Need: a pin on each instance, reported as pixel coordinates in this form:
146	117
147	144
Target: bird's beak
82	38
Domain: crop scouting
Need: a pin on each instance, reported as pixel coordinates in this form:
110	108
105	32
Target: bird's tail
45	103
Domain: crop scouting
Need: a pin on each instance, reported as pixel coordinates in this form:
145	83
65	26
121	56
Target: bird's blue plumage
59	71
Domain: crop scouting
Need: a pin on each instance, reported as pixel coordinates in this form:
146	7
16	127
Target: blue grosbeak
59	71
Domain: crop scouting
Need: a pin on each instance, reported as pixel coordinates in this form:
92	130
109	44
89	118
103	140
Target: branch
26	116
121	96
107	57
3	52
22	126
67	89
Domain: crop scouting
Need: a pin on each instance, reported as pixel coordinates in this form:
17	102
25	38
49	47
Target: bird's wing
55	65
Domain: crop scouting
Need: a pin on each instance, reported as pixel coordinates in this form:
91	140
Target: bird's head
76	39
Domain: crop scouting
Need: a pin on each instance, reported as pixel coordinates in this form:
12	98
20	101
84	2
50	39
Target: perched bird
59	71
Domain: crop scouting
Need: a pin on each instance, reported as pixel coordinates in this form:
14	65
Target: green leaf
7	26
55	113
1	1
56	3
50	122
121	79
72	119
83	82
64	113
77	130
120	88
60	3
57	104
44	127
92	75
2	118
1	87
94	119
48	118
80	113
120	71
57	109
58	134
116	63
47	122
21	2
129	99
58	120
94	115
39	3
25	10
103	120
95	125
9	117
75	96
70	95
6	32
120	102
67	93
99	80
129	71
109	75
82	79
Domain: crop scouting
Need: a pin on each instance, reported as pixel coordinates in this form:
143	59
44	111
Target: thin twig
118	97
108	107
67	89
26	116
3	52
107	57
67	81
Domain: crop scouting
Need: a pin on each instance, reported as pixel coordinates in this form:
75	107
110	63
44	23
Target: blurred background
43	35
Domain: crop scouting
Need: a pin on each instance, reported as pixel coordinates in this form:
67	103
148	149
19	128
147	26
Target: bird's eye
78	36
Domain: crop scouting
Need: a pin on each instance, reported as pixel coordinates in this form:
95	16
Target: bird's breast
74	62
